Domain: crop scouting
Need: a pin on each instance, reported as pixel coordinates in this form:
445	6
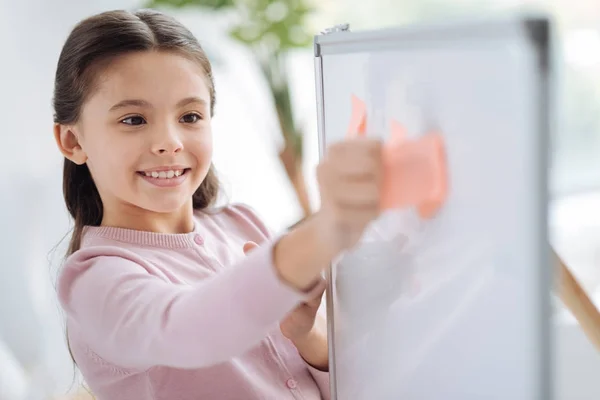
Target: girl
162	300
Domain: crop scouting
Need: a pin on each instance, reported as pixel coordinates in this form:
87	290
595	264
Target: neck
179	221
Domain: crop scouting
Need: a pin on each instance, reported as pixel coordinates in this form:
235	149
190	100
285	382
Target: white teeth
164	174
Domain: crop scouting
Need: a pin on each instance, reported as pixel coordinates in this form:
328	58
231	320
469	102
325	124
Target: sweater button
198	239
291	384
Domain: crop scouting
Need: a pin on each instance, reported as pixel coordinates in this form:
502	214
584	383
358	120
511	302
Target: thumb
249	246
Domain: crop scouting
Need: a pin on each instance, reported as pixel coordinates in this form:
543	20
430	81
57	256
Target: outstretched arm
136	320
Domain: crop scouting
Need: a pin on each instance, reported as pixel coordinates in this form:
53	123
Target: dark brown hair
92	44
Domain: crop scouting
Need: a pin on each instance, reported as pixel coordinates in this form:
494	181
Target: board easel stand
578	302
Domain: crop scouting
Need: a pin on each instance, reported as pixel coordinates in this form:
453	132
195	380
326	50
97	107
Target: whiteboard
456	306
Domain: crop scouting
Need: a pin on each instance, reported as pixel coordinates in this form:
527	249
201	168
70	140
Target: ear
67	141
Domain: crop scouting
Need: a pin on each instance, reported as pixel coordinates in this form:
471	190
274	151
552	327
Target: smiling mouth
165	174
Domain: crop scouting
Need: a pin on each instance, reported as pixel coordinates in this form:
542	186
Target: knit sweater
184	316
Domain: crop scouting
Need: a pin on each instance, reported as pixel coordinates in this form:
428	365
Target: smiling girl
167	296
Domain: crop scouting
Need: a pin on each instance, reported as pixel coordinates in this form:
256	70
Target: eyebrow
190	100
144	103
130	103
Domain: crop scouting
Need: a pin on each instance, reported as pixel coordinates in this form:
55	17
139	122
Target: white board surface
454	307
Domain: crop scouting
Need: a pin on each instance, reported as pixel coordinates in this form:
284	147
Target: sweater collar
165	240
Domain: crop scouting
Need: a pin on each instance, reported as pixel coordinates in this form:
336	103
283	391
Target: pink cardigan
184	316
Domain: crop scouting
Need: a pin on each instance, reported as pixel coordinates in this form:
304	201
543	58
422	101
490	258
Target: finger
356	160
249	246
310	308
316	301
331	176
356	169
371	148
322	285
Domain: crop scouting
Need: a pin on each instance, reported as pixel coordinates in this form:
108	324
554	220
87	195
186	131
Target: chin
165	205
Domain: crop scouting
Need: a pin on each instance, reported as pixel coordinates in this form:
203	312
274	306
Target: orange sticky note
358	118
415	174
429	207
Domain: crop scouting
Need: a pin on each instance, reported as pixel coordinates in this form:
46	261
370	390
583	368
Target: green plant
271	29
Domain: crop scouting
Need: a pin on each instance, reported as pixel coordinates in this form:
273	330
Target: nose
167	142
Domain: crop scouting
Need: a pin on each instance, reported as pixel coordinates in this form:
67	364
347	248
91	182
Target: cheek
110	161
202	148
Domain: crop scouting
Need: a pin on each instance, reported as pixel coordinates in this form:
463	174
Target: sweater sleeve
137	320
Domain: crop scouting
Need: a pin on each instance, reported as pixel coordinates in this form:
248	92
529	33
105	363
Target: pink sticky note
397	133
358	118
415	174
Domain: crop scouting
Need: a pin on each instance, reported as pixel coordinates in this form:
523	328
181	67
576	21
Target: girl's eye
190	118
134	121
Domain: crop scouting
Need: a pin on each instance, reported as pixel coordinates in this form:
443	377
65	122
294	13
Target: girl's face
145	133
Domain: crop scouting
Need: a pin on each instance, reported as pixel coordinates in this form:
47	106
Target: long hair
90	47
92	44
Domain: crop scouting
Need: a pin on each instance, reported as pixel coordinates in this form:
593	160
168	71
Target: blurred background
265	149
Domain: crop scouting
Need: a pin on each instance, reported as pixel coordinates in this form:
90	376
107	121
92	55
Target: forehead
161	78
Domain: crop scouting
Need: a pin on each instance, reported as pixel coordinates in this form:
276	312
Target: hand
301	321
350	179
299	324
